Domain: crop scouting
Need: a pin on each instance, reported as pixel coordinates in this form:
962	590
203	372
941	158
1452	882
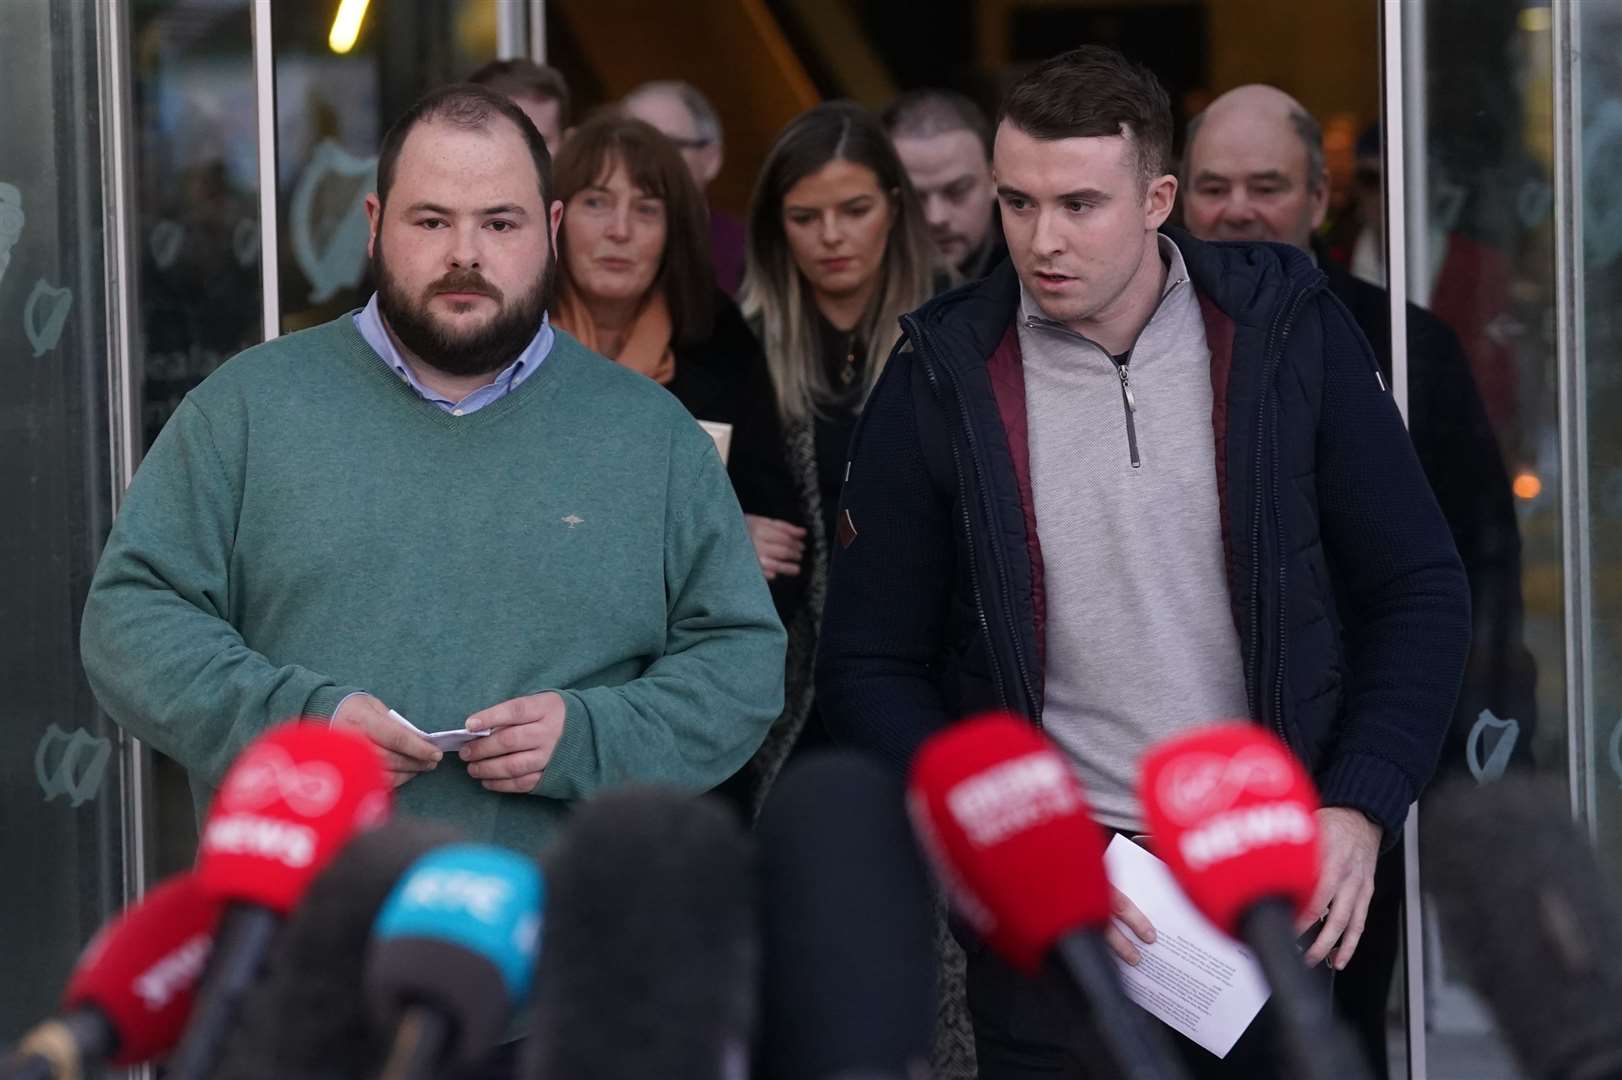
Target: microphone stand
1140	1051
1316	1044
420	1043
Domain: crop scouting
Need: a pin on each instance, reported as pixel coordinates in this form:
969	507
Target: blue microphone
452	957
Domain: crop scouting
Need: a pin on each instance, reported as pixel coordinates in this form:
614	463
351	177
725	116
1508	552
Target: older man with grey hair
687	118
1254	170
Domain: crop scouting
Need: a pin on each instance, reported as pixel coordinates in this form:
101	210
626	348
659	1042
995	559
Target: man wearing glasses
686	117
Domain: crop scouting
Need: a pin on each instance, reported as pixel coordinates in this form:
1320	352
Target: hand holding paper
442	740
405	753
1192	976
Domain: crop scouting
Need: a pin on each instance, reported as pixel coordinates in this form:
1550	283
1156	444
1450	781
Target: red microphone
1001	815
131	990
1233	814
289	802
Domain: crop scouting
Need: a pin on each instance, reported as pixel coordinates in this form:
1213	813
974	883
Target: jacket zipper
1278	332
914	332
1130	404
1129	400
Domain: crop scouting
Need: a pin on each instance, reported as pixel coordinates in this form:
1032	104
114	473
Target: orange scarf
647	343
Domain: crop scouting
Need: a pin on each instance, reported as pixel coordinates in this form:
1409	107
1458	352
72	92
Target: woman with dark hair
635	285
838	252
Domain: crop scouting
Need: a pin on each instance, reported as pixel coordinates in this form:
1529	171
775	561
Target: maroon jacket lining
1006	369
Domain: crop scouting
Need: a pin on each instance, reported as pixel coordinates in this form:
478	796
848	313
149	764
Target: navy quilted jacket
1351	603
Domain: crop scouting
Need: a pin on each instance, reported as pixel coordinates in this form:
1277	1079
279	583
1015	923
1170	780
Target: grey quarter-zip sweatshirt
1141	642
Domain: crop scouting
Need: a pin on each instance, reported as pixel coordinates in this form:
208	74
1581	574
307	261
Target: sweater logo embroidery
574	519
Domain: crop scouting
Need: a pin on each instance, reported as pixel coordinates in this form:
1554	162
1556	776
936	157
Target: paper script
1194	977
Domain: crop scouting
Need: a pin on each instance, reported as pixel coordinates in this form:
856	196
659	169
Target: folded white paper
443	740
722	434
1194	977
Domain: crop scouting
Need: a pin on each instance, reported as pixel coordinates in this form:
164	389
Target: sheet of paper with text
1194	977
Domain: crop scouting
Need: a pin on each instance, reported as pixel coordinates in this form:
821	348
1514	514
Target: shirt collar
369	321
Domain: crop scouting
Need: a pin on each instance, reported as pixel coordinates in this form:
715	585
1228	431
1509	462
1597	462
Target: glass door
63	821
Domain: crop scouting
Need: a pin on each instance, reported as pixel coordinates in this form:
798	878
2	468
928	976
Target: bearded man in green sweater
441	506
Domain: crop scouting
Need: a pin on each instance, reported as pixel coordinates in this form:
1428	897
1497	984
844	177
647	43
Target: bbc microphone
1533	920
452	956
848	925
130	992
288	803
1233	815
650	950
1001	815
305	1018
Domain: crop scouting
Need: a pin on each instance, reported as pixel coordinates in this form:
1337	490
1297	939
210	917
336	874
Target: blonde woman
838	252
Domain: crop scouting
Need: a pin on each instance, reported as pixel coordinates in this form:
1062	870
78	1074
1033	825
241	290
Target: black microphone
1534	921
305	1017
650	946
848	925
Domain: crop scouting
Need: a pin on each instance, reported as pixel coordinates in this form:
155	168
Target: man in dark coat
1254	170
1129	484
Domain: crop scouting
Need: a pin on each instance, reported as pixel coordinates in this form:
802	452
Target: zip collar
1176	276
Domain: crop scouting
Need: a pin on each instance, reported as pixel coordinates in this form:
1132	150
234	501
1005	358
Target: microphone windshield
141	970
288	803
306	1017
997	807
1232	814
1529	911
651	942
458	936
849	924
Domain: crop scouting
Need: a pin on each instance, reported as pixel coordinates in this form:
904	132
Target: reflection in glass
61	787
1600	182
197	193
199	280
1488	123
332	109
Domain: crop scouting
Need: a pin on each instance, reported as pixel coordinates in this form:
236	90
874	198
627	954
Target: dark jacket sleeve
758	464
733	365
889	587
1406	613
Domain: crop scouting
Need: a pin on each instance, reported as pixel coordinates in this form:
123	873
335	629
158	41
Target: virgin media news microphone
651	947
288	803
306	1018
1533	920
1232	814
130	992
453	954
1001	814
848	925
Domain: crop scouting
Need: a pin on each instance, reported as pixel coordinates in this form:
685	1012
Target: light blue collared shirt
370	325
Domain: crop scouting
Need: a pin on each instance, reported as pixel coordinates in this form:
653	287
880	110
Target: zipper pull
1129	404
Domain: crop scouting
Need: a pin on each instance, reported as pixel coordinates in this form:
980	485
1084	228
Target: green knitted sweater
307	526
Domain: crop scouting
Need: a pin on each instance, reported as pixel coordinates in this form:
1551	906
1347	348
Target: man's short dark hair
1095	92
525	78
921	114
468	106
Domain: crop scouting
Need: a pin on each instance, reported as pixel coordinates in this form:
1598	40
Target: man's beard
481	351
